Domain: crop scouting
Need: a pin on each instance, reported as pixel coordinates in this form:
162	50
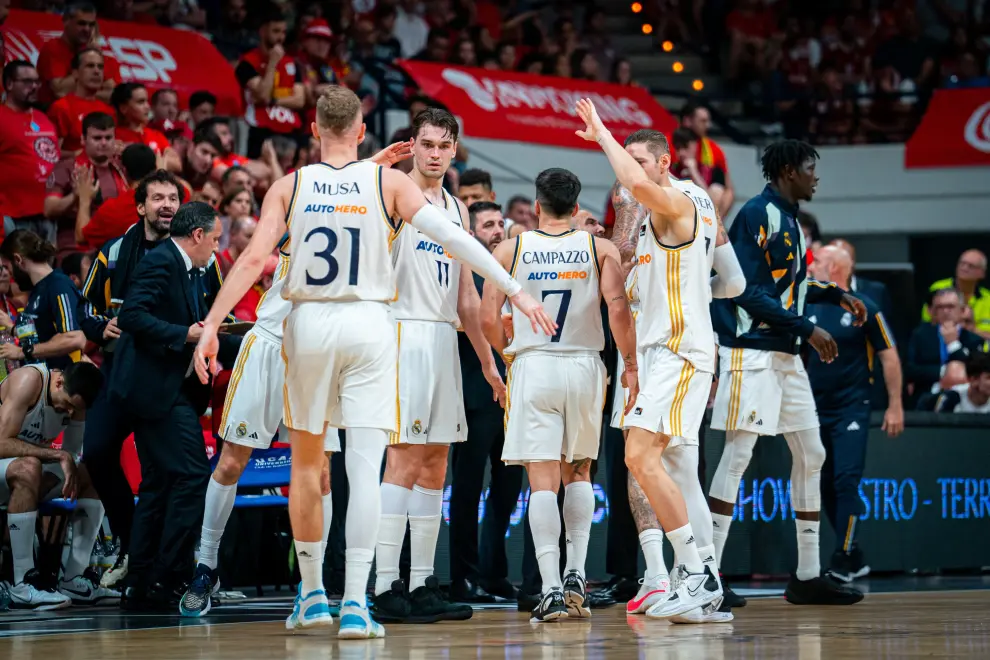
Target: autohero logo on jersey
557	258
433	248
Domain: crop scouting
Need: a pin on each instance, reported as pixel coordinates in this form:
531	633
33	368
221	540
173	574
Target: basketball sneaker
651	590
198	598
848	566
713	612
33	594
395	606
309	611
690	591
85	589
551	608
112	579
730	597
575	595
429	601
822	590
356	622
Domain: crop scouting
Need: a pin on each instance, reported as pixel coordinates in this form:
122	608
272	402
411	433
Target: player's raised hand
393	153
823	343
593	126
854	306
205	357
534	311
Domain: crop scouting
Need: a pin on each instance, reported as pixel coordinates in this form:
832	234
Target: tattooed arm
629	216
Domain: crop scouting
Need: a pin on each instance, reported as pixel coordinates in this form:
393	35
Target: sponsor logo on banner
977	131
535	109
954	132
152	55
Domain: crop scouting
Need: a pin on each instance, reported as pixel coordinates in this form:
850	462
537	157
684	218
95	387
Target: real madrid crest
241	430
417	427
752	417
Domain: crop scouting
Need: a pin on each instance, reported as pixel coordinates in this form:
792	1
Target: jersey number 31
326	254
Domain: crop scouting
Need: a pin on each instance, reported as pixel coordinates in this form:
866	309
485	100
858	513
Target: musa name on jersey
427	275
562	272
674	285
42	423
340	235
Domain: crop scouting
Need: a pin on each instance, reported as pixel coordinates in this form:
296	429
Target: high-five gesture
593	126
393	153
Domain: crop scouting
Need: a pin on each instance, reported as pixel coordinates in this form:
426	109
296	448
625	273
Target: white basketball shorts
764	392
673	396
618	419
554	407
431	398
341	367
252	410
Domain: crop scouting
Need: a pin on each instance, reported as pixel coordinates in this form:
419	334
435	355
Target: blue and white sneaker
310	611
198	598
356	622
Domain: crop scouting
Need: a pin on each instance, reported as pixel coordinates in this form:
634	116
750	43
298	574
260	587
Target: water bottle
6	366
27	334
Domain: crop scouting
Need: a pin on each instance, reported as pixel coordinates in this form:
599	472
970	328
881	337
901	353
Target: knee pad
735	459
808	455
806	449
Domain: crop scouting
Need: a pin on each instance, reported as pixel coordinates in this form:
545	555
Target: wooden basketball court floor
900	624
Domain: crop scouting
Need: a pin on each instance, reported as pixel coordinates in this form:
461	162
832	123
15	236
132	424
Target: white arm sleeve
72	438
729	280
464	247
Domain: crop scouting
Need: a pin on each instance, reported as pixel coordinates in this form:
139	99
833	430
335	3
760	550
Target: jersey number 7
565	302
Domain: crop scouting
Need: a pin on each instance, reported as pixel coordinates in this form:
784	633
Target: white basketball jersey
674	292
340	235
561	272
273	308
42	423
427	275
706	209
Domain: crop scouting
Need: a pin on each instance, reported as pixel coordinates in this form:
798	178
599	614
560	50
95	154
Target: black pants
844	434
486	438
107	426
622	542
174	476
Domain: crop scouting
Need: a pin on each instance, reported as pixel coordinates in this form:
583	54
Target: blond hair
337	109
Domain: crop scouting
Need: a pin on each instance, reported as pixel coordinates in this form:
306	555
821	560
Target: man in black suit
474	578
160	323
937	352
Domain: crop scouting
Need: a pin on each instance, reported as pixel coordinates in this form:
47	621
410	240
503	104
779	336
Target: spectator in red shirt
202	106
165	105
687	167
96	164
55	58
116	215
273	87
28	151
708	154
130	101
241	231
67	113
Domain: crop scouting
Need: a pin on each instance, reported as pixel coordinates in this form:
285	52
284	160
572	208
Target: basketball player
38	405
673	269
557	384
681	457
340	344
764	388
252	415
433	292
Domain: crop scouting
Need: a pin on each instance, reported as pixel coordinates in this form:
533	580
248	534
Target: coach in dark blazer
153	378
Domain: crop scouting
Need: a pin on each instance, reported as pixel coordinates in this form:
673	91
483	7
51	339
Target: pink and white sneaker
652	590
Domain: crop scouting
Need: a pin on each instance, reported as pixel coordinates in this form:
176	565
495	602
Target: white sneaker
309	611
115	575
651	591
356	622
692	590
710	613
85	590
30	597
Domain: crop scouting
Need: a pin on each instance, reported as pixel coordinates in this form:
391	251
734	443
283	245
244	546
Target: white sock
219	504
425	510
544	522
707	554
21	528
651	541
327	519
86	523
579	509
363	459
391	531
685	548
720	532
809	562
310	565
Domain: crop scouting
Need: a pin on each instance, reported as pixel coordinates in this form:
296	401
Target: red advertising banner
955	131
156	56
535	109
